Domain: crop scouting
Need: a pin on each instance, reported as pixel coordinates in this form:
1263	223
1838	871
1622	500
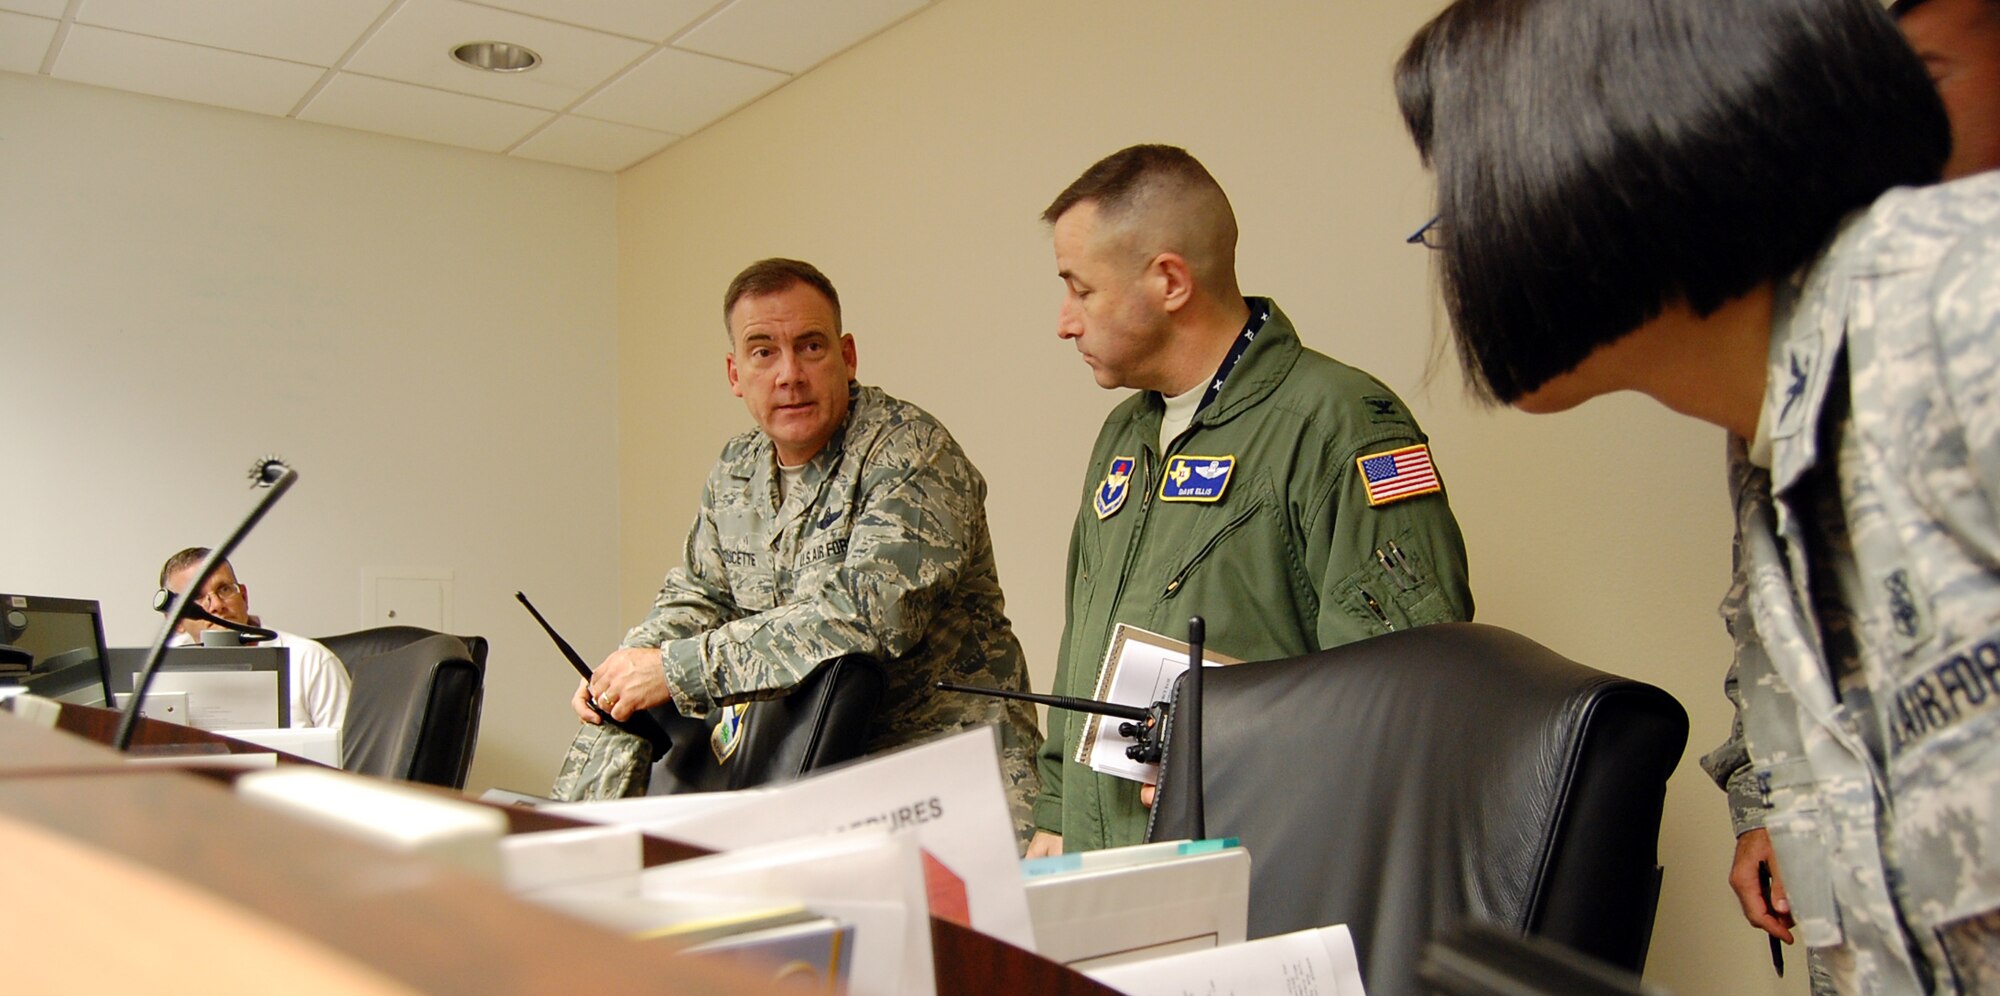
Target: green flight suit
1292	558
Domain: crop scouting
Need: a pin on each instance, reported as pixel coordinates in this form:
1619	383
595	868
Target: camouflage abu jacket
1866	608
880	548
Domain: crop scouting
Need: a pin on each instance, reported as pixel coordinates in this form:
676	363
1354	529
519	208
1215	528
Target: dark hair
772	276
1596	162
190	557
1117	180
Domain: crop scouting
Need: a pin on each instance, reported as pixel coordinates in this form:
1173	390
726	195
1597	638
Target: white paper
391	815
872	879
1098	917
610	857
1140	668
948	790
224	700
1316	962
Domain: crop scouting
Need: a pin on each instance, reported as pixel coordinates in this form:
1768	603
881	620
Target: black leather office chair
414	711
826	720
1410	783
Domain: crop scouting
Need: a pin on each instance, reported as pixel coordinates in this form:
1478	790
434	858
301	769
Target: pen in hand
1764	887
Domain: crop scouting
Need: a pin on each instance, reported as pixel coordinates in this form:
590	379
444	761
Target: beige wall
912	170
425	332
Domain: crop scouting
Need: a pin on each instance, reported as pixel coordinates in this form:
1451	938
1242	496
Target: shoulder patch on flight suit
1196	478
1110	496
1393	475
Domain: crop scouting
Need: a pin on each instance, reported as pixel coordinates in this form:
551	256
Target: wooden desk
147	874
186	884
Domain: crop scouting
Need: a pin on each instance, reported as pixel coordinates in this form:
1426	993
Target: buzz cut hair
1122	180
190	557
774	276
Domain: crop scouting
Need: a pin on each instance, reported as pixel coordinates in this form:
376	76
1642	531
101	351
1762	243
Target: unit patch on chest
1110	496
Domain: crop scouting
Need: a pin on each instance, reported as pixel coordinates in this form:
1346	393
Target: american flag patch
1398	474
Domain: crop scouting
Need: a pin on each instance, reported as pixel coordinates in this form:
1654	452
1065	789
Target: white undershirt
788	476
1180	413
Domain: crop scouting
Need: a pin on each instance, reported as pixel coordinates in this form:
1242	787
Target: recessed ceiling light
497	57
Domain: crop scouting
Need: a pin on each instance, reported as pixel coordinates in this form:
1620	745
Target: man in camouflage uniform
1866	608
848	522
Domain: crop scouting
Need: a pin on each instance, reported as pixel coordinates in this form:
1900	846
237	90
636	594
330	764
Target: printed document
1140	668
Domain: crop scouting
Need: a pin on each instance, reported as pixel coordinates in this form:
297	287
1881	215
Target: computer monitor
246	687
65	639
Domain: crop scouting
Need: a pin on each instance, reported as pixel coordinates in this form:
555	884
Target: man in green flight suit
1289	499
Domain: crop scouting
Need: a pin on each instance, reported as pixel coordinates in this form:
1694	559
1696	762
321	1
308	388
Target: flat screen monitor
65	639
229	688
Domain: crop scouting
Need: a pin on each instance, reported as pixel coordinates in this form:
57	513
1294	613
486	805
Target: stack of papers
832	878
1124	904
1317	962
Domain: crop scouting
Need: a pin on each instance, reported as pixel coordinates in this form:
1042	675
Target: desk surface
170	839
180	875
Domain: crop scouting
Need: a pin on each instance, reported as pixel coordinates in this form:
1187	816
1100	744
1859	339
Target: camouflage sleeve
694	598
1966	314
911	539
1729	765
1019	740
1378	568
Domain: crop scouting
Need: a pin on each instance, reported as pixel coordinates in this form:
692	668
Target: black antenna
1191	715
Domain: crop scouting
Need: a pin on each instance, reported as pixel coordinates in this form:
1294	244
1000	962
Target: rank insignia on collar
728	732
1196	478
1110	496
1393	475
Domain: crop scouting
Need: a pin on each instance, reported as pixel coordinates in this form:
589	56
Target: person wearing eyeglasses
1959	44
1290	500
1729	206
320	684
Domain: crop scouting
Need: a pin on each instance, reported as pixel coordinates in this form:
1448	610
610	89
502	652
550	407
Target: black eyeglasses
1431	236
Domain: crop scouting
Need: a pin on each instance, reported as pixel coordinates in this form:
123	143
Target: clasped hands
629	680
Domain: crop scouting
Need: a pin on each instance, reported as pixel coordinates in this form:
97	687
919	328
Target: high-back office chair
824	721
413	714
1409	783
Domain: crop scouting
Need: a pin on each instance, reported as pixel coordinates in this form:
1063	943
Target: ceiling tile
46	8
792	35
415	47
680	92
181	71
318	32
417	112
598	145
652	20
24	41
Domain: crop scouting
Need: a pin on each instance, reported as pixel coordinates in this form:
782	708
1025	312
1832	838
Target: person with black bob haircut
1703	201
